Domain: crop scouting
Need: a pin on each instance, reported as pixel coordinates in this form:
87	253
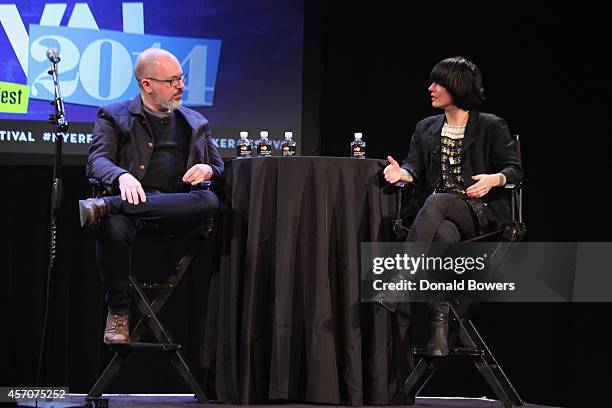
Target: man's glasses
173	82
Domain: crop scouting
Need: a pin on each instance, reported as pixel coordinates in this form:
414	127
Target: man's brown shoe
91	210
117	329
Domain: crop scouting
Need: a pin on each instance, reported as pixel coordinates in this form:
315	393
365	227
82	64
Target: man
151	151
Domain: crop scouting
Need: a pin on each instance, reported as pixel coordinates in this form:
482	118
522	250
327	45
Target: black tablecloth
290	322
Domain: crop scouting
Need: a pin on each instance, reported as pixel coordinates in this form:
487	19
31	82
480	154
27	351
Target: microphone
53	55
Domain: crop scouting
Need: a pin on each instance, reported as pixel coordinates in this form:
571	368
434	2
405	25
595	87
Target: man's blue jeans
172	213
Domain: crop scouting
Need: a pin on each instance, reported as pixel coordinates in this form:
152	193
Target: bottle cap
358	135
244	133
288	135
263	133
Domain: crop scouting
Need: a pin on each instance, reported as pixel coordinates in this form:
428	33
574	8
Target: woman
457	159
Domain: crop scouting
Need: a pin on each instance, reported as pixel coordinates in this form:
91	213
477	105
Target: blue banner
97	65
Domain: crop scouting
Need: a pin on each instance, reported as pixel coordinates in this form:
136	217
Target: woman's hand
393	172
484	183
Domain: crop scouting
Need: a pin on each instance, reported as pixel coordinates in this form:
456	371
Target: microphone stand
61	125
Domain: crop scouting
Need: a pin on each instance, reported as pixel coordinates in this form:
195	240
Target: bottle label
264	150
288	150
358	152
244	151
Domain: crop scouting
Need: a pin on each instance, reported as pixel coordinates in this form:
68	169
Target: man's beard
169	105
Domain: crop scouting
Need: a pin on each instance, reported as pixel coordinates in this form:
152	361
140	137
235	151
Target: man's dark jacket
488	148
122	142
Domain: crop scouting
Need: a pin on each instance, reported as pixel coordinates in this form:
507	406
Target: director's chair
468	341
149	310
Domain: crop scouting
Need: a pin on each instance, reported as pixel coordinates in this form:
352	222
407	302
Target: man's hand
484	184
131	189
198	173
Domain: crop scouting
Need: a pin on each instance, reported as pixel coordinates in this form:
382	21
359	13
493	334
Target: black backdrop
366	69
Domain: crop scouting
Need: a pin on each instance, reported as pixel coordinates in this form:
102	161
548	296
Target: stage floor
183	400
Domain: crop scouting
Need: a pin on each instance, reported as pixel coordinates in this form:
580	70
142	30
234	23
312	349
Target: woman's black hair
462	80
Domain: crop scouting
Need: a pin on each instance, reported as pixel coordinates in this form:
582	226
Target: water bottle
264	147
243	146
358	147
288	145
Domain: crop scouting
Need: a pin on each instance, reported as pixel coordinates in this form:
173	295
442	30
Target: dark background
366	69
544	72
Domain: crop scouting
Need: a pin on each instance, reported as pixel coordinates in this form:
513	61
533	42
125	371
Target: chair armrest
94	181
98	189
515	186
402	184
204	185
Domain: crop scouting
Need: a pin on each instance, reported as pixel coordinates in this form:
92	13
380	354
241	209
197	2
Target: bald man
148	152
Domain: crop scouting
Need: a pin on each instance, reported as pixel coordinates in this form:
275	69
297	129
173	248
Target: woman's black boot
437	346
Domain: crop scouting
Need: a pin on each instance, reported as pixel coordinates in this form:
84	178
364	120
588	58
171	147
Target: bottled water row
263	147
